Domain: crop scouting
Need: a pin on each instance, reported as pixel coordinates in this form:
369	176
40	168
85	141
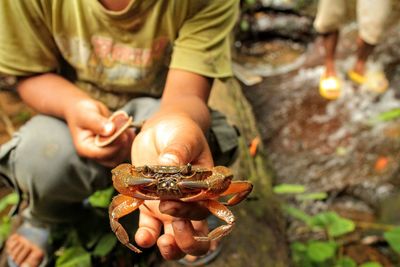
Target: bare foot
359	68
330	71
23	252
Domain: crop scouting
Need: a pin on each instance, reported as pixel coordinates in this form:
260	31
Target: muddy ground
330	145
337	147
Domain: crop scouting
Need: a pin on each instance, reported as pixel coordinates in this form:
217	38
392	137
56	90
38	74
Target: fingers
179	140
185	151
110	155
185	230
189	210
148	231
176	154
91	115
33	259
144	151
96	123
178	239
116	152
167	244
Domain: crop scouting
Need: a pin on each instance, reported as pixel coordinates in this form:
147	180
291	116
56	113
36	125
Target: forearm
50	94
186	94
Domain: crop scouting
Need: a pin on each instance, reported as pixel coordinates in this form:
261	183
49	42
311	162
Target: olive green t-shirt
115	56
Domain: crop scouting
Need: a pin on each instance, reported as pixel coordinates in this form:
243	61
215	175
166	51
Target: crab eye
146	169
187	169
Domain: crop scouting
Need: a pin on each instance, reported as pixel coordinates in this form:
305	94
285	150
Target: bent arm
50	94
55	96
186	94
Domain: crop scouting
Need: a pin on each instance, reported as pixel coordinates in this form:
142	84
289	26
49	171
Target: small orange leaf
381	163
253	147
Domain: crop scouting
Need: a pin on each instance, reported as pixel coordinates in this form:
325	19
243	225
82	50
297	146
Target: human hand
88	118
172	140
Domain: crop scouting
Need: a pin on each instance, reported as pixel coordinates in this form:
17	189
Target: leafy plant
319	251
323	253
5	226
386	116
74	257
314	253
87	243
101	198
345	262
92	243
393	238
8	200
334	224
371	264
289	189
299	191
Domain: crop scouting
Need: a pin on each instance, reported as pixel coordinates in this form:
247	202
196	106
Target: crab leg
203	195
239	189
224	214
195	185
120	206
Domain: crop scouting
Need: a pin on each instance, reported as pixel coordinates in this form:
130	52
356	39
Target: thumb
175	154
98	124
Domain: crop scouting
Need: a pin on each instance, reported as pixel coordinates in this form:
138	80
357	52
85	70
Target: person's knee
44	152
329	16
50	172
222	139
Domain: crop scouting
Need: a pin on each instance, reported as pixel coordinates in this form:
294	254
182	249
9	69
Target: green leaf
10	199
340	227
289	189
346	262
5	229
101	198
299	255
335	225
105	245
244	25
319	251
297	246
74	257
393	238
298	214
23	116
371	264
250	2
313	196
386	116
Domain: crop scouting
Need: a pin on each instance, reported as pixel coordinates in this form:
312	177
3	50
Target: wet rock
266	25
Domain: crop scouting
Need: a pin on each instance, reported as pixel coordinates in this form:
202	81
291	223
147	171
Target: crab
185	183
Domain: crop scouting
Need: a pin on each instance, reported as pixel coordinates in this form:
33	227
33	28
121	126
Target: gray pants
41	162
